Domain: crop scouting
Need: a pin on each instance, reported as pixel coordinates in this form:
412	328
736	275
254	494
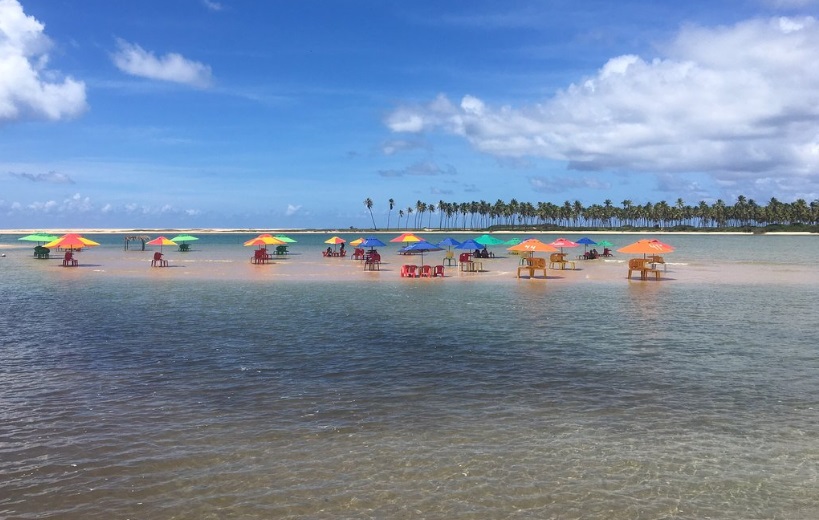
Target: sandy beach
306	263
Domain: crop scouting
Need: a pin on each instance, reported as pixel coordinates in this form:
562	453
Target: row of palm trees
481	214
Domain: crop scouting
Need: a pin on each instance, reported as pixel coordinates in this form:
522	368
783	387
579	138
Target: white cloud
27	87
50	177
421	169
730	101
558	185
72	205
213	6
136	61
292	209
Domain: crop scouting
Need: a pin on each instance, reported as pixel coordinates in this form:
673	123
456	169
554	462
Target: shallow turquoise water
127	398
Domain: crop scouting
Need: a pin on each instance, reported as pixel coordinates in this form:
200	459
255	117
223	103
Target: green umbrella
39	237
513	241
604	243
488	240
184	238
284	238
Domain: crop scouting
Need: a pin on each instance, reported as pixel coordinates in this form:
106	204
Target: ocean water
135	397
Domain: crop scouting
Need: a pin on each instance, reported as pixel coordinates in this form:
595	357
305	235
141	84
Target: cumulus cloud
739	100
292	209
27	87
136	61
74	204
50	177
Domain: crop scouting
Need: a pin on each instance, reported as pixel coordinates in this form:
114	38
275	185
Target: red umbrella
72	241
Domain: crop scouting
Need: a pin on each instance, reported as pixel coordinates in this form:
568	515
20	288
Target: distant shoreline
205	231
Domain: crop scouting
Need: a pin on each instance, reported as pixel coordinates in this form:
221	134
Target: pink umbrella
563	242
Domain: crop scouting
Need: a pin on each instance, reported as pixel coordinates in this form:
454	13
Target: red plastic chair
158	261
410	271
372	262
426	271
465	257
69	260
438	270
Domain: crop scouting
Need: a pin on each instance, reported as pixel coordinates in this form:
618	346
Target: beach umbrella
469	245
513	242
586	243
604	243
184	238
407	237
161	241
647	247
533	245
372	242
449	243
72	241
489	240
264	240
335	240
284	238
420	247
357	242
563	242
39	237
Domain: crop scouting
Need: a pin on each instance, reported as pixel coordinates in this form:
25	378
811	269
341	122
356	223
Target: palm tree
392	205
369	203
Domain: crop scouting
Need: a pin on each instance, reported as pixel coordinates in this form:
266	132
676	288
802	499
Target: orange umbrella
72	241
334	240
646	247
533	245
357	242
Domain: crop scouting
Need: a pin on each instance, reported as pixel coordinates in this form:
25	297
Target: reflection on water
171	398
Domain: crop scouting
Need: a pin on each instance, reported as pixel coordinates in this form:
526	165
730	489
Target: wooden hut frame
134	238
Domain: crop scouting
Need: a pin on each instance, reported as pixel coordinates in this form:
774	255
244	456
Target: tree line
743	214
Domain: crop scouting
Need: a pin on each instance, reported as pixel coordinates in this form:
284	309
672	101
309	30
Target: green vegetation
744	215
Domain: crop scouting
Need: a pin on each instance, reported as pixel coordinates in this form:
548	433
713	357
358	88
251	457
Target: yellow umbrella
264	240
357	242
334	240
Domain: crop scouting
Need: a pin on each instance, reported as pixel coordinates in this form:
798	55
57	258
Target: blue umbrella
586	242
449	242
372	242
470	245
420	247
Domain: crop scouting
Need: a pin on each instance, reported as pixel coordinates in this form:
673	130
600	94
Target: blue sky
288	114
